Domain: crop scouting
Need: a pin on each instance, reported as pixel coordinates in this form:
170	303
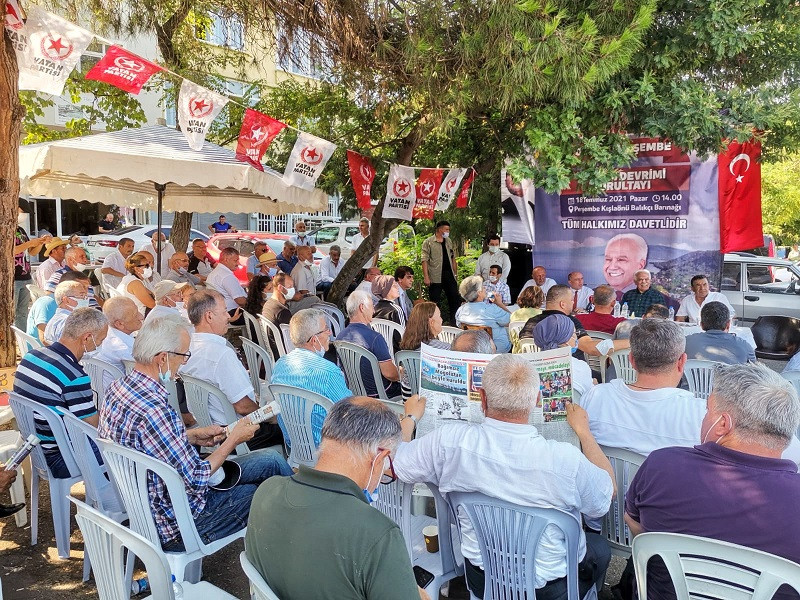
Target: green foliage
780	199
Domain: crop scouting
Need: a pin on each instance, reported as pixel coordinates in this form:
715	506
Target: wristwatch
413	418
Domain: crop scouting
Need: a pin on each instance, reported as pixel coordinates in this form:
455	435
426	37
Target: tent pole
160	188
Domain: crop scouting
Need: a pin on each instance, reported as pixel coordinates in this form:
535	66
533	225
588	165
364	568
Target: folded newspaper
450	381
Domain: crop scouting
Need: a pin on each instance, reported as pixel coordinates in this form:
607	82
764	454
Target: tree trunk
10	121
179	235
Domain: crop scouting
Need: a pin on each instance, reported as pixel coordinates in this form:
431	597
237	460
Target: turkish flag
739	185
463	197
362	174
123	69
427	190
257	132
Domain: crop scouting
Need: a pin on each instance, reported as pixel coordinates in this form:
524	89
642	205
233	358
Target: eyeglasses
326	330
386	479
186	355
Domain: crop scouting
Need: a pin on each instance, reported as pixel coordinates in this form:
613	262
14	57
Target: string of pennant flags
49	47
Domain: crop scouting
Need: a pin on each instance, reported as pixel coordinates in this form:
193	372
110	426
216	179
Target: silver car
760	285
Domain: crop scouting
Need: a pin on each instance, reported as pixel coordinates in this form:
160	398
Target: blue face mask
164	377
273	271
370	496
321	350
573	349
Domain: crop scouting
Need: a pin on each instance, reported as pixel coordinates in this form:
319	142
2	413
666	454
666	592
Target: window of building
92	55
297	53
225	30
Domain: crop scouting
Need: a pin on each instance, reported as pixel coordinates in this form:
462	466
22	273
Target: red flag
257	132
124	70
362	174
463	197
14	17
739	186
427	190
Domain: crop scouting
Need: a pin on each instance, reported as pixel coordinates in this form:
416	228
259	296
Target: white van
342	234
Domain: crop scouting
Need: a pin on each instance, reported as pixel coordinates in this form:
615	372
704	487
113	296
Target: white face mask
301	234
179	305
22	219
82	302
494	249
81	267
446	234
289	293
147	273
307	263
705	437
493	278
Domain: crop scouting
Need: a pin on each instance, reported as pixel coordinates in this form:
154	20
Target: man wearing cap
124	319
329	268
179	270
54	251
252	261
170	298
304	281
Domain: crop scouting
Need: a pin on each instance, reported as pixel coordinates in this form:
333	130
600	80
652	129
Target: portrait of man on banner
517	203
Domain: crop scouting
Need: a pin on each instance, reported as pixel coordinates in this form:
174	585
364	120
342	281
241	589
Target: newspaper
450	381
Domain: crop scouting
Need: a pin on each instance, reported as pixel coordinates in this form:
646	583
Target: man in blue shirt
287	259
221	226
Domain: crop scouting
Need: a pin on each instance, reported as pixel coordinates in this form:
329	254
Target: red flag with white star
427	190
123	69
197	108
307	160
463	197
362	173
739	185
257	132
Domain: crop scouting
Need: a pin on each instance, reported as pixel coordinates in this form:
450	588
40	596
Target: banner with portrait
660	213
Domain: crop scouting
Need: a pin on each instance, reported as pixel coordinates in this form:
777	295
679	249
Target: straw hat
267	257
53	244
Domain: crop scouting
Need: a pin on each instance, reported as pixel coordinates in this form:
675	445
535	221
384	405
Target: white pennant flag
307	160
400	193
447	190
48	48
197	108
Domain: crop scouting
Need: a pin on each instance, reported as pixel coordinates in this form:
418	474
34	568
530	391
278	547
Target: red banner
123	69
257	132
463	197
740	197
362	174
427	190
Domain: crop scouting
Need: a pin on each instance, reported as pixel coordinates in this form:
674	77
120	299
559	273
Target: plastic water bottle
616	309
625	310
177	589
671	313
139	586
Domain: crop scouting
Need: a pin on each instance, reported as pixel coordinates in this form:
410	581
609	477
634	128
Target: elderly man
715	342
114	264
305	366
54	251
340	546
287	259
602	317
642	296
404	275
179	270
136	413
625	254
170	297
107	224
495	284
358	239
475	311
200	263
506	458
221	226
75	259
360	311
733	486
301	238
167	250
581	294
305	282
213	360
493	256
366	285
329	268
124	319
473	341
253	266
54	377
691	305
225	282
68	296
44	308
439	269
539	277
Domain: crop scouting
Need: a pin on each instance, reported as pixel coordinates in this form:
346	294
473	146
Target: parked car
103	244
244	242
342	234
760	286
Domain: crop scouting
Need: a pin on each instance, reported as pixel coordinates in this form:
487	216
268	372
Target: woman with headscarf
388	290
557	331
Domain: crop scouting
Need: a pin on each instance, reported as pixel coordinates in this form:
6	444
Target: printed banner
427	190
48	48
447	190
362	174
661	213
740	197
13	18
400	193
197	109
257	132
124	70
516	202
309	157
463	197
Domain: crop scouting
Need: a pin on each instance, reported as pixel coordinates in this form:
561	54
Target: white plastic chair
508	536
259	588
410	361
350	356
297	406
106	542
625	464
387	329
448	334
621	361
129	470
258	358
24	411
713	570
272	335
700	377
598	363
112	291
287	339
25	342
335	315
528	346
197	399
514	327
251	327
35	291
397	408
129	365
792	377
101	375
10	441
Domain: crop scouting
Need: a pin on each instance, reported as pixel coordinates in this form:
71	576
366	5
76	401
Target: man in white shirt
167	250
225	282
692	304
68	296
357	239
329	268
253	265
301	238
580	292
212	360
54	251
171	297
539	277
493	256
114	264
304	281
124	319
506	458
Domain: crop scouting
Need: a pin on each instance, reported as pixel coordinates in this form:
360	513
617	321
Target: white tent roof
122	167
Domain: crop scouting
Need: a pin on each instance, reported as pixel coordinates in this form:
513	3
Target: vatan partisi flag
362	174
400	193
13	16
307	160
123	69
739	186
463	196
427	189
50	52
257	132
197	108
15	29
447	190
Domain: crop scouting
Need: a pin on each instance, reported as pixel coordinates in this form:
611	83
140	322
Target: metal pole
160	188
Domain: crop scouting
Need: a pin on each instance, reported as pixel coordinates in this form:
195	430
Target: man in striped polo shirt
54	377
